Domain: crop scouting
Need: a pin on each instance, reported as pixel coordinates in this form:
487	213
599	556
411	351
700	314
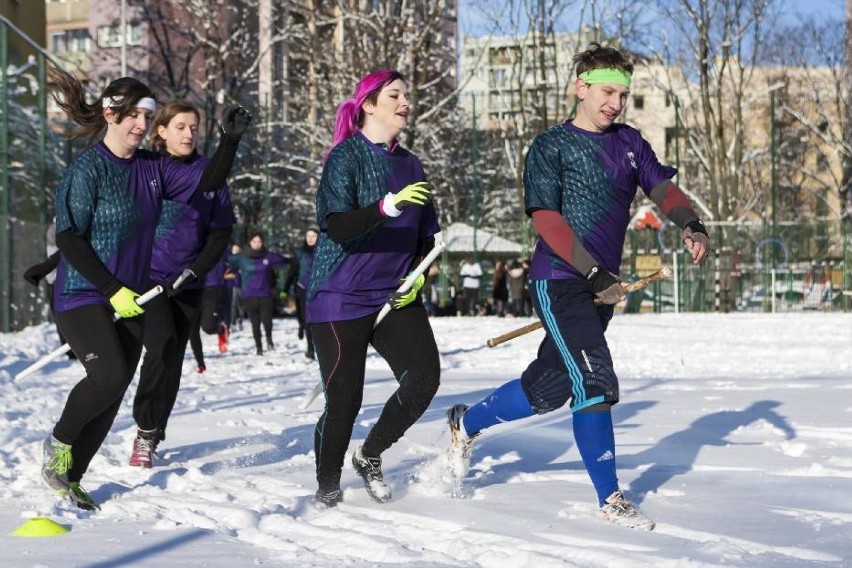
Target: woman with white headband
108	203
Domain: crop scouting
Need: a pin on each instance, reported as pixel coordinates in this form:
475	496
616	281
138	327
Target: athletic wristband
388	208
697	226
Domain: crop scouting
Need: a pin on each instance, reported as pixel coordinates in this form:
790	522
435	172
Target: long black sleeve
211	253
82	257
216	172
351	224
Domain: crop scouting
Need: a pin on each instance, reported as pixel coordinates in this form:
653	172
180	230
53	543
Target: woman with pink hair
376	222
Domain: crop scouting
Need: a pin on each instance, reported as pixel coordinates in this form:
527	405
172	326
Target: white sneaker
461	445
618	511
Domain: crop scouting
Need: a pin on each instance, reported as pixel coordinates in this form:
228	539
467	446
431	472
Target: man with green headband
580	178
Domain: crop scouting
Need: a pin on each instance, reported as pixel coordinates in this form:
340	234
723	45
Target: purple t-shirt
591	178
216	275
115	204
354	279
255	268
183	229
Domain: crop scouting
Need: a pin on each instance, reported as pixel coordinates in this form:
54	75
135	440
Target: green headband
611	76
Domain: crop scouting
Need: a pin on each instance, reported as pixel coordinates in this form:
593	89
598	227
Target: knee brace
548	391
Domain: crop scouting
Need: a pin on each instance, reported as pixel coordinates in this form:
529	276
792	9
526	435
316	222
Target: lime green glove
419	193
124	303
399	300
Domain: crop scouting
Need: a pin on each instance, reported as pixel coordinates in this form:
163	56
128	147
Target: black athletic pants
168	322
300	315
109	352
405	340
213	314
259	311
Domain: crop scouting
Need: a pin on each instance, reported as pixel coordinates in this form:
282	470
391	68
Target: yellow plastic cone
39	527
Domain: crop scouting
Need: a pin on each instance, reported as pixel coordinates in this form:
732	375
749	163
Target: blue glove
399	301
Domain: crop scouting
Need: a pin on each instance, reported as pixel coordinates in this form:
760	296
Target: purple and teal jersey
306	263
183	229
115	204
354	279
216	275
591	178
256	271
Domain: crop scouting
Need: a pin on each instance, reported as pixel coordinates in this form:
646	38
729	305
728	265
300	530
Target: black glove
235	121
35	273
177	286
606	285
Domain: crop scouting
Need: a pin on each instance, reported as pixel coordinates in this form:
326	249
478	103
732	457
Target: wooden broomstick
662	274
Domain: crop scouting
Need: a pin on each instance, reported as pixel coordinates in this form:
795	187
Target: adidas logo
606	456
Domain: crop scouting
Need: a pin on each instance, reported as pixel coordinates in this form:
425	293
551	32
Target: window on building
638	102
110	36
70	41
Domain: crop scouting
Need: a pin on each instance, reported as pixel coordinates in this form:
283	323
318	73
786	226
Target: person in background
471	273
212	318
376	222
580	178
46	270
108	204
499	288
516	279
257	273
234	283
299	277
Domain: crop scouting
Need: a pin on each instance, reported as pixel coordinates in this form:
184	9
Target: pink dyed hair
350	115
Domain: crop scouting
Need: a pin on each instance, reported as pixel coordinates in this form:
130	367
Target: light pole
773	178
474	150
122	33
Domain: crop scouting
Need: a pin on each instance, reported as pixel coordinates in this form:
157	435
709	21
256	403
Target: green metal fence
29	165
807	267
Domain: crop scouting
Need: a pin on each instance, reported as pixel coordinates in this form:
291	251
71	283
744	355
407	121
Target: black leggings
300	315
405	340
168	323
109	353
214	314
259	310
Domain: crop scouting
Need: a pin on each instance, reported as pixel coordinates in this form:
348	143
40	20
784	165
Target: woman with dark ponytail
108	203
376	221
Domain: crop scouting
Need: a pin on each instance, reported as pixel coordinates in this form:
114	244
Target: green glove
399	300
124	303
413	194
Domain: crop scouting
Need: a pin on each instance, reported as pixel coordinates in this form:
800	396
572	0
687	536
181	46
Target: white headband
146	103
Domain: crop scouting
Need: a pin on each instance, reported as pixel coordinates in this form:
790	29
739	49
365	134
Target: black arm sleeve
36	272
345	226
82	257
211	253
216	172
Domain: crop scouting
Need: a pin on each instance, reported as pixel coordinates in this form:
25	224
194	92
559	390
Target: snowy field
734	434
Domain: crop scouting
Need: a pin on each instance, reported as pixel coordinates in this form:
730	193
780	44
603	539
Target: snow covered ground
734	434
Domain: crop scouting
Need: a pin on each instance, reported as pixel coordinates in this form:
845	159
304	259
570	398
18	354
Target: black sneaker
329	497
370	470
81	497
